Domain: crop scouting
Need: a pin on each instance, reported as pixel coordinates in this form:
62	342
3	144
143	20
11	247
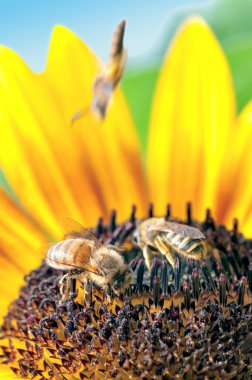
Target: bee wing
43	249
80	113
117	39
120	249
180	229
75	230
117	56
81	258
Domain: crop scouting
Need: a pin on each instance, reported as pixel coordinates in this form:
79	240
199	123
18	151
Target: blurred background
26	28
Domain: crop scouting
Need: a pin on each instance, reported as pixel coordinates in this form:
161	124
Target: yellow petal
20	244
112	147
192	114
235	180
43	160
11	281
13	220
246	227
7	374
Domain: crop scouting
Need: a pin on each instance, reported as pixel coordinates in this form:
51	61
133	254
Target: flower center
192	320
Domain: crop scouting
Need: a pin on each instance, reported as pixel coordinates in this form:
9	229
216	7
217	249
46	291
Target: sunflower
83	172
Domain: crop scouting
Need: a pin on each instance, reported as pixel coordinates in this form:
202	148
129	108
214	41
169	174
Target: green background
231	21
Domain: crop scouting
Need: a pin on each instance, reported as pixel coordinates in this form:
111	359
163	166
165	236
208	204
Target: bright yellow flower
198	150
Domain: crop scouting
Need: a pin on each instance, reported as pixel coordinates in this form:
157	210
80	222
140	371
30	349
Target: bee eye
134	238
118	282
117	285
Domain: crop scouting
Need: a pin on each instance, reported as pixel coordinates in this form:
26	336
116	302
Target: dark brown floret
190	322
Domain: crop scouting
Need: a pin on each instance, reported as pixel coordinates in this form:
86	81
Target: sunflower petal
13	220
192	115
43	161
20	244
112	147
7	374
11	281
235	182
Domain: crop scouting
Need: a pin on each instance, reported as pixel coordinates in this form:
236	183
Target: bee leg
65	284
146	255
165	250
108	294
87	287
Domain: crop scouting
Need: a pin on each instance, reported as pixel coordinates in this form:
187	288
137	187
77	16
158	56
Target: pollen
190	321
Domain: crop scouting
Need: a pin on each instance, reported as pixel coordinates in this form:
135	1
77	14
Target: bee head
122	281
135	237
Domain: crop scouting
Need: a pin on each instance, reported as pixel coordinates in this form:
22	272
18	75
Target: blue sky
26	25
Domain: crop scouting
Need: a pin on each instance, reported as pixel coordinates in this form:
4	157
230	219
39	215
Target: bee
87	259
105	83
157	234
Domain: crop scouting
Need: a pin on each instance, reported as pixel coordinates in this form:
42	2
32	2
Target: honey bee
105	83
157	234
87	259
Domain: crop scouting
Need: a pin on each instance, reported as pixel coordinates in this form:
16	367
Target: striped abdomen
67	254
185	245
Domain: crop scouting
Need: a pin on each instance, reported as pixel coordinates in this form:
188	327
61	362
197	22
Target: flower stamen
170	322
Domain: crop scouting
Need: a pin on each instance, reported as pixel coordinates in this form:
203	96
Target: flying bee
157	234
87	259
105	83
